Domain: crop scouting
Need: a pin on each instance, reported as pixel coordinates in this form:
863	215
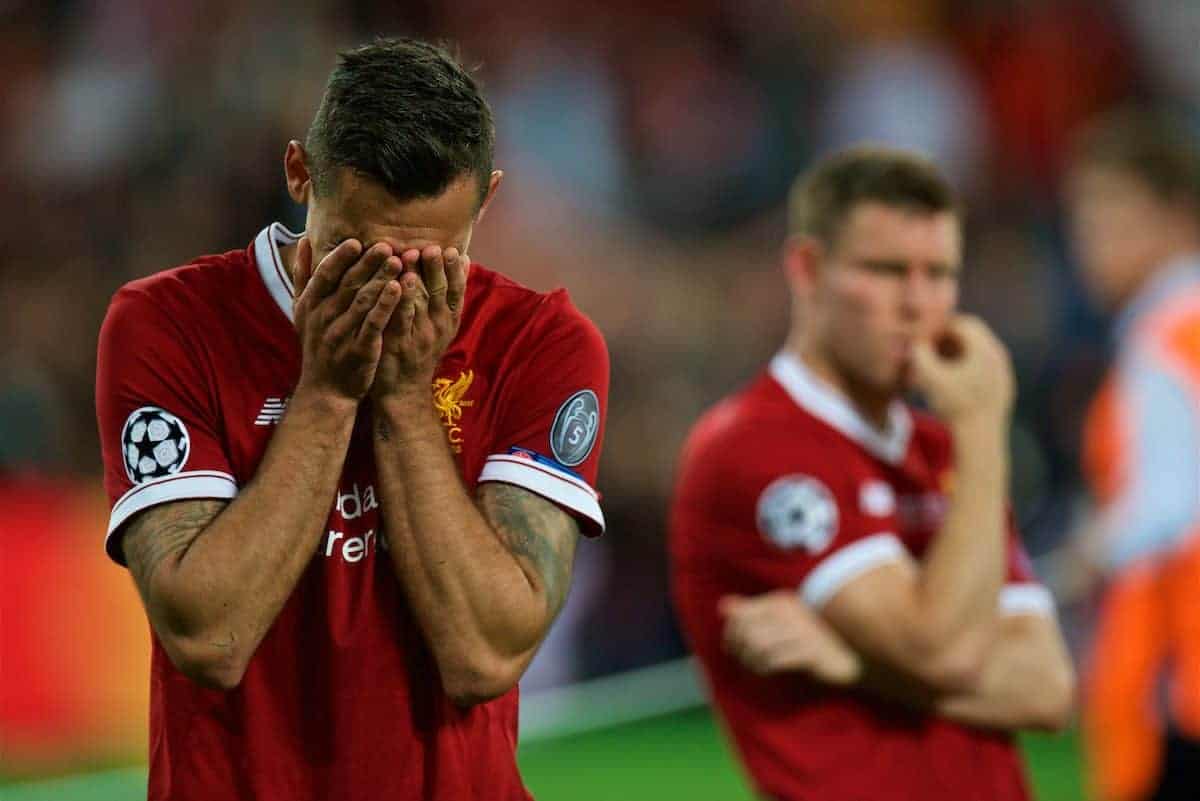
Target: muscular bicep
538	533
161	536
877	614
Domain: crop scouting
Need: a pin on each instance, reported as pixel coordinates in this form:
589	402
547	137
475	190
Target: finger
785	655
408	303
411	260
760	656
415	287
456	278
433	271
377	319
328	273
367	296
358	276
756	609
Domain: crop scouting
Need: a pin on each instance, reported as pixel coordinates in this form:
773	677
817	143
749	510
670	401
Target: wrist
328	404
391	390
981	450
980	428
402	402
404	416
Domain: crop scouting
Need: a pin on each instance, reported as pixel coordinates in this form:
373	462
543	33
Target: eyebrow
884	264
901	265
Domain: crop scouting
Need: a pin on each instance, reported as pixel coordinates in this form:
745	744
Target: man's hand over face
341	310
434	283
965	372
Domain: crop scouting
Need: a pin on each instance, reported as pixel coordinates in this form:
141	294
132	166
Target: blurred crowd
648	148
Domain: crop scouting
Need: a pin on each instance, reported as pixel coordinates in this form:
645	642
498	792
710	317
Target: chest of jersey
919	489
254	402
907	497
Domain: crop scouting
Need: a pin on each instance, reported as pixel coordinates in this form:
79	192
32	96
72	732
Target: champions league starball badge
575	427
155	443
798	512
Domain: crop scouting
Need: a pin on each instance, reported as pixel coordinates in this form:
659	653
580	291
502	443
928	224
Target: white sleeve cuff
177	487
1026	598
564	489
848	563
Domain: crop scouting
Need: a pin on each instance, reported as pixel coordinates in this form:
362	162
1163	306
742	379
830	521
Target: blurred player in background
1134	197
843	565
349	468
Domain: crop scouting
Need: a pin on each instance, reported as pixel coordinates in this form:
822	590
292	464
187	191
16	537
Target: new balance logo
272	411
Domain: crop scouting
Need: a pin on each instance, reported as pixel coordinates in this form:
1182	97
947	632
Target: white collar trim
828	405
270	265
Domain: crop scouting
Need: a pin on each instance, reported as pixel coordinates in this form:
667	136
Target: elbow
207	652
210	665
950	668
479	681
1053	703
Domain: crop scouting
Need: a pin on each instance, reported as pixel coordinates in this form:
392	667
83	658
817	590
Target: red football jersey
342	699
785	485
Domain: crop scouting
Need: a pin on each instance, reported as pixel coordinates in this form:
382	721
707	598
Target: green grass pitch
677	757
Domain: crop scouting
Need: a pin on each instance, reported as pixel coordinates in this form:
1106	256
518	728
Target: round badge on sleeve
575	427
798	511
155	444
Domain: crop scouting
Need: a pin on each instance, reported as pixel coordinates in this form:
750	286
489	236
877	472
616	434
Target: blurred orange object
74	642
1148	632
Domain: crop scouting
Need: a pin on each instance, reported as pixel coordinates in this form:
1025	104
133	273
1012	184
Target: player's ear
493	185
295	168
801	262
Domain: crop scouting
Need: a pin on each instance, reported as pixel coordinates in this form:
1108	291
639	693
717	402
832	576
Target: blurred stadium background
648	148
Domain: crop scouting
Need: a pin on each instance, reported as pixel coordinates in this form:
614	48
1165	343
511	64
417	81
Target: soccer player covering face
349	467
843	564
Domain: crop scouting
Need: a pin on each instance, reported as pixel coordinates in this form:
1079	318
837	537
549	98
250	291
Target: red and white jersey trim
270	265
1026	598
850	562
856	559
561	488
177	487
828	405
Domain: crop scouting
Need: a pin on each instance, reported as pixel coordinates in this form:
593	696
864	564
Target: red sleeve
551	424
761	514
758	508
156	410
1022	592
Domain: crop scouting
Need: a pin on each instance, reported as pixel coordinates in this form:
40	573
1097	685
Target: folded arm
1026	681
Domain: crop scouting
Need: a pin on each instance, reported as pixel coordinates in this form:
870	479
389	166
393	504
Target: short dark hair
824	196
406	114
1152	146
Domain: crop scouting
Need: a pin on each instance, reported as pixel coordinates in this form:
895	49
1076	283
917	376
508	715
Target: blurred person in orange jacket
1133	192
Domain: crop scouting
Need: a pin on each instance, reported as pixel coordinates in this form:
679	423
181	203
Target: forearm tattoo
162	532
538	532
